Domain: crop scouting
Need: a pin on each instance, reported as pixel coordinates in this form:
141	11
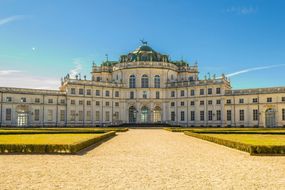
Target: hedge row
58	131
56	148
252	149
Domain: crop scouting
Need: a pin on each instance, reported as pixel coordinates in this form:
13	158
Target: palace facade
143	86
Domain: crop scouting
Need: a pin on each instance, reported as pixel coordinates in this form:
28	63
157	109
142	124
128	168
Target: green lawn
49	143
253	139
58	130
255	144
46	138
231	130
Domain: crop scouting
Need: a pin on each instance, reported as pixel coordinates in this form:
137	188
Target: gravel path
145	159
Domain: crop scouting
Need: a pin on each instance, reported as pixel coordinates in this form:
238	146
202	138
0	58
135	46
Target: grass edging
53	148
251	149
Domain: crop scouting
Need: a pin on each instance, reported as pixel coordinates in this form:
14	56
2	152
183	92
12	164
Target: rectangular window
50	115
97	92
172	116
88	92
116	116
192	103
62	101
229	115
37	115
88	116
210	91
218	115
80	116
192	92
132	95
241	115
81	91
107	114
72	102
117	104
97	103
107	103
50	101
210	115
37	100
182	93
62	115
72	115
80	102
172	93
283	114
202	115
8	114
157	95
192	116
88	103
254	100
269	99
172	104
283	99
72	91
218	90
182	116
229	101
144	94
210	102
23	100
117	94
241	100
8	99
255	115
97	116
107	93
201	91
202	102
182	103
218	102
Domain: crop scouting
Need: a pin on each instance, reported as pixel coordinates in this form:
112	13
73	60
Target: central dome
144	53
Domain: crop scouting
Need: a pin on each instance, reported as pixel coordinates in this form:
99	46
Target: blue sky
41	41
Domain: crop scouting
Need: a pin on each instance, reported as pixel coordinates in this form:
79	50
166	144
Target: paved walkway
145	159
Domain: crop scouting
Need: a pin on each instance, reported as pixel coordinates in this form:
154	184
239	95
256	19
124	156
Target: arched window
157	81
132	81
144	81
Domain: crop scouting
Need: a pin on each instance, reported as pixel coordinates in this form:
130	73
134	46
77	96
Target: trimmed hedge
53	148
252	149
59	131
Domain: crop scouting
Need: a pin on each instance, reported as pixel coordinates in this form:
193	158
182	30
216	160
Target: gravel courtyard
145	159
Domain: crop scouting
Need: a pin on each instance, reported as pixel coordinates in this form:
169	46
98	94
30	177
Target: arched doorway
144	114
22	115
157	114
270	117
132	115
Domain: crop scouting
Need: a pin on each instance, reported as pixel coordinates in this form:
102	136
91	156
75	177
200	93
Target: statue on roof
143	42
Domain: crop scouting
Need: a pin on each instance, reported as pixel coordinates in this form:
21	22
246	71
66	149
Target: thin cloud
78	67
21	79
8	72
11	19
241	10
253	69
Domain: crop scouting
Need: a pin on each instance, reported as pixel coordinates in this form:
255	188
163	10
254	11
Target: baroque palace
144	86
